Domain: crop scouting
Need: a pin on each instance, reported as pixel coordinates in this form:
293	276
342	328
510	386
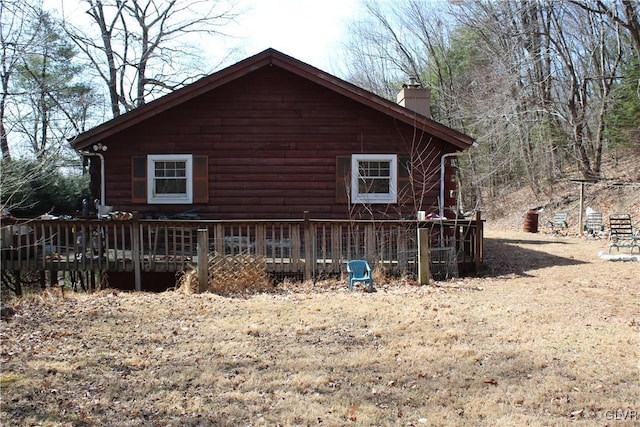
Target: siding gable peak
266	58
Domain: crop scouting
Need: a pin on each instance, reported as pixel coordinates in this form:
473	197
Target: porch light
99	147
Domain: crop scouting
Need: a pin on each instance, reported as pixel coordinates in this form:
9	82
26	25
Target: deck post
136	258
308	247
479	239
203	259
424	275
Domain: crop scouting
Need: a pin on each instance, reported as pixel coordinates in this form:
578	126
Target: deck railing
304	248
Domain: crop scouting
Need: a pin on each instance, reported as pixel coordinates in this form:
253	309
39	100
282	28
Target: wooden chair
559	222
621	233
359	271
594	226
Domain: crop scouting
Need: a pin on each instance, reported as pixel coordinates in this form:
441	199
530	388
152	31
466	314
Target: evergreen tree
623	124
55	101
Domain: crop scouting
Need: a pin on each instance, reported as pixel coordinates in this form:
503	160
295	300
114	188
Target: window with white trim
374	178
170	178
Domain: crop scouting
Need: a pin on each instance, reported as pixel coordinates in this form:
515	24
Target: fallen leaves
315	352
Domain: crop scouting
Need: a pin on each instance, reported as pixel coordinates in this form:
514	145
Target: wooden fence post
136	257
203	259
308	247
424	275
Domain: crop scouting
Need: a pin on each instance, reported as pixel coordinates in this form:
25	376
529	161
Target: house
269	138
270	158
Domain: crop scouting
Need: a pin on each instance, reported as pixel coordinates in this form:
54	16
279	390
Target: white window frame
167	199
380	198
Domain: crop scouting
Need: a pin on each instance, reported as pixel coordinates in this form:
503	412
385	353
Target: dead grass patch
549	336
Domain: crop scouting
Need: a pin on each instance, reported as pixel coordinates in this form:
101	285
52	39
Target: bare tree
589	56
420	39
142	50
511	87
560	63
626	13
386	46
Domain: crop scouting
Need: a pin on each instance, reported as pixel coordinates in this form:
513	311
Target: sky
308	30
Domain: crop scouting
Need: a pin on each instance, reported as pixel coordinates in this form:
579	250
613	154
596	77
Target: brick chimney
414	97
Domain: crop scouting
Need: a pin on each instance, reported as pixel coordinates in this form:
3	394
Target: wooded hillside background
546	87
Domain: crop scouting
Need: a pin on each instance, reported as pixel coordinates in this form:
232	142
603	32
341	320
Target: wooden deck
305	248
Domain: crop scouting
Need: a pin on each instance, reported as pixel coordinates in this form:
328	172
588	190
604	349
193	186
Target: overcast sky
308	30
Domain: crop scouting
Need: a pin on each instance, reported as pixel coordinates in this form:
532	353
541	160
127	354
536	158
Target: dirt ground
557	257
549	334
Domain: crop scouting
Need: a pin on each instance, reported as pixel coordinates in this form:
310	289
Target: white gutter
102	174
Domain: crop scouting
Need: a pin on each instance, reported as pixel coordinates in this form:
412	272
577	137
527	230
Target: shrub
31	188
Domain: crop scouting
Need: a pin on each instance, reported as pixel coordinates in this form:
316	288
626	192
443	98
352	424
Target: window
170	178
374	178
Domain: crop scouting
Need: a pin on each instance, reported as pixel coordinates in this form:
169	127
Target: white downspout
103	195
442	166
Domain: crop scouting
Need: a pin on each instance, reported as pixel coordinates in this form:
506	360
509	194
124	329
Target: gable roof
270	57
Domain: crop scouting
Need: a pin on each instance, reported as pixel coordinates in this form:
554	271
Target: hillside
507	211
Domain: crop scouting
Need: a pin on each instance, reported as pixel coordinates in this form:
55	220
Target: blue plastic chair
359	271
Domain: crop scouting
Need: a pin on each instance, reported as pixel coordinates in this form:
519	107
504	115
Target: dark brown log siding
272	139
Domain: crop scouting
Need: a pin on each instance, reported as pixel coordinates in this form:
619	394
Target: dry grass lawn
549	336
